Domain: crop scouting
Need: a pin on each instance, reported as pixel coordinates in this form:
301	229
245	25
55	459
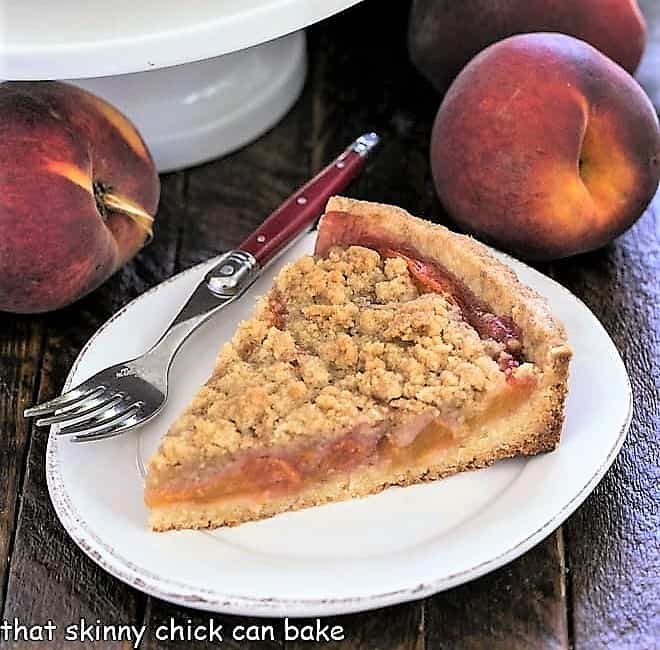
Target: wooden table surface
594	583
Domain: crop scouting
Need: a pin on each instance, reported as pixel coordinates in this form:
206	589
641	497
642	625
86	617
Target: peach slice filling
272	472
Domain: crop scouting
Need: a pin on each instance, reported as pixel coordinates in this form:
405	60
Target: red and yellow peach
545	147
78	190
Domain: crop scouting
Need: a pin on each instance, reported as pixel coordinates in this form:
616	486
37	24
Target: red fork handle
300	210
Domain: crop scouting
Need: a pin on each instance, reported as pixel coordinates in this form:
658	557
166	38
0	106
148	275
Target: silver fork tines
82	412
113	418
65	402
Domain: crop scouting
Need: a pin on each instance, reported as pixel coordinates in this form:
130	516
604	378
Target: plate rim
212	600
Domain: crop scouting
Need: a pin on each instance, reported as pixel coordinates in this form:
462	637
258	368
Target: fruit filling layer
283	471
352	359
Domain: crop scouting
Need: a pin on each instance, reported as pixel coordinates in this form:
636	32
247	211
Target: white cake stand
199	79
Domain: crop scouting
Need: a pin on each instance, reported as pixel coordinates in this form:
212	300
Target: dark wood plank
49	577
613	544
366	83
21	346
519	607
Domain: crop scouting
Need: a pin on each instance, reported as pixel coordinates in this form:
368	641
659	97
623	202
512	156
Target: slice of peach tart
399	352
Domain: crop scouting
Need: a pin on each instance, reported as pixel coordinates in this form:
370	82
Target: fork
127	394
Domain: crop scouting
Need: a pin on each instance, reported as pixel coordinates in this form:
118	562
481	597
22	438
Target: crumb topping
339	341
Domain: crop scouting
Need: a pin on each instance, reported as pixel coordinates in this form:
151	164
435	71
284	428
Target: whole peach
78	190
445	34
545	147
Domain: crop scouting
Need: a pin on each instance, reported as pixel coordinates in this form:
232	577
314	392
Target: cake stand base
194	112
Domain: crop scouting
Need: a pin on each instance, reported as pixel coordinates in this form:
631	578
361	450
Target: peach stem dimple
123	205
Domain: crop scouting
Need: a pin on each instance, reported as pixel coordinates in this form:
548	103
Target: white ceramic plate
402	544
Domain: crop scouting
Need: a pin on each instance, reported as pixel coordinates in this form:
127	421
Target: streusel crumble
357	341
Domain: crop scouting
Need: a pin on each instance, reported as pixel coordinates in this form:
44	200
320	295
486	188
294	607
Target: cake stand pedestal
197	111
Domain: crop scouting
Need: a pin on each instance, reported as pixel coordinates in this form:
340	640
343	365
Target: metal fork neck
234	272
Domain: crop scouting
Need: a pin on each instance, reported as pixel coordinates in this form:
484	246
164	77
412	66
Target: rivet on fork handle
233	274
